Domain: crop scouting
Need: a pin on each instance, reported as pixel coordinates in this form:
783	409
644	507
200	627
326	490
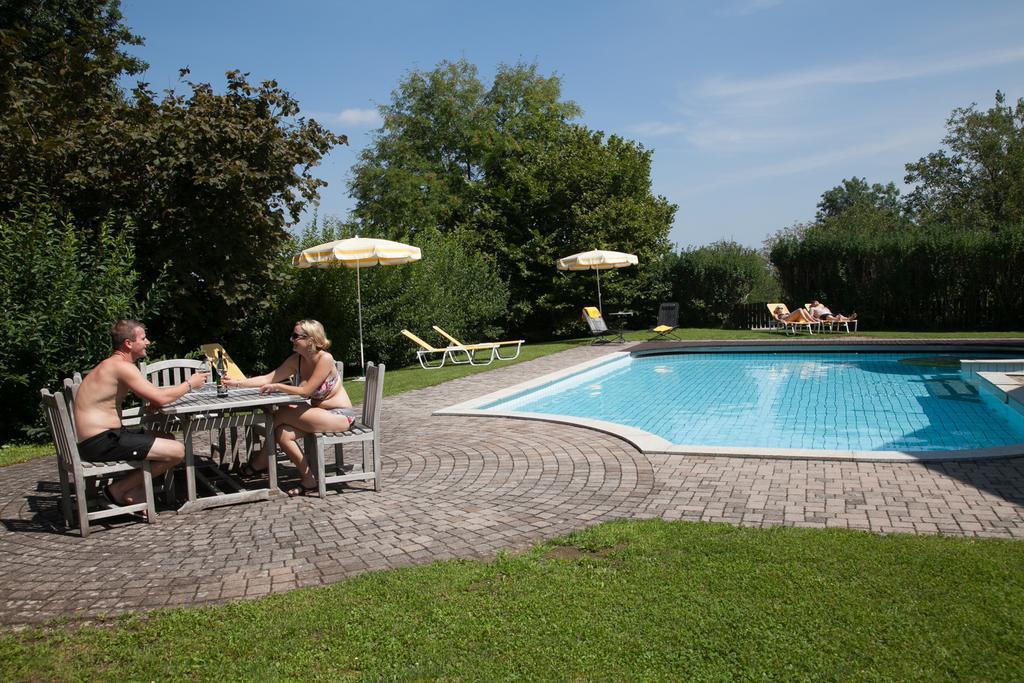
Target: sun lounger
790	326
668	320
211	351
598	327
518	343
835	323
431	357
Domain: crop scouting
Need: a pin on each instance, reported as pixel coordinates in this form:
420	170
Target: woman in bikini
316	378
797	316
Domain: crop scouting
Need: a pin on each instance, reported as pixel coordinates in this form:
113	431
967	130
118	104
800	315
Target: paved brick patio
462	487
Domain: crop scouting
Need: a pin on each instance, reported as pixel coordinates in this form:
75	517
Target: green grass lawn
622	601
13	453
399	380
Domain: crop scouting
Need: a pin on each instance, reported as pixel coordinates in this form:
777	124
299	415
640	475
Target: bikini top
325	389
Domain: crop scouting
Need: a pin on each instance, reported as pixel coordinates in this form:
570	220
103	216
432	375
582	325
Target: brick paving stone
462	487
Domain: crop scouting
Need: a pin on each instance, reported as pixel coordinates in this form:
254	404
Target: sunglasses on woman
296	337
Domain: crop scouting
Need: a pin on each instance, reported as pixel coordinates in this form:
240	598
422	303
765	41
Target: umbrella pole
359	301
597	272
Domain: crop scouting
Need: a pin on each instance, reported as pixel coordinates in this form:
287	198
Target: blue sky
753	107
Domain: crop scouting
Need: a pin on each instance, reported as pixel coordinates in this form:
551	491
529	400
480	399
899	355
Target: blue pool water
828	401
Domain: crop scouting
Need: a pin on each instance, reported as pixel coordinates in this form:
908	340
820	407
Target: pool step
949	388
1008	387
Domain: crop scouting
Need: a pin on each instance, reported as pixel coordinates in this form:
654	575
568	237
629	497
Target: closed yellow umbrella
357	252
597	260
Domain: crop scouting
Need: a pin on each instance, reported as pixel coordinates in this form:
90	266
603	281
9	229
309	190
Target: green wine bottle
222	389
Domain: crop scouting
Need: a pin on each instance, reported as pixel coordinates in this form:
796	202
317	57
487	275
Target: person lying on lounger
821	312
797	316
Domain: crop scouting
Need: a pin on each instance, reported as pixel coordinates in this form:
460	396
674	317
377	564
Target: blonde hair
315	331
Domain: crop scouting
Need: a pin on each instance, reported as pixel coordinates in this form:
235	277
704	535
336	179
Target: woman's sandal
249	472
302	490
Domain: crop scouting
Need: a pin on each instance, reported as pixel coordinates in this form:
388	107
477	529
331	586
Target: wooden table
203	410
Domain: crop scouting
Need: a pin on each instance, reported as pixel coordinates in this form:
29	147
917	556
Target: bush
903	277
708	282
454	286
60	291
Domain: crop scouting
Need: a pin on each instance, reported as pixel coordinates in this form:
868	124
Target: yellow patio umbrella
357	252
597	260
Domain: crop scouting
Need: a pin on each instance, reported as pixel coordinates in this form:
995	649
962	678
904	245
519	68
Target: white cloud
657	128
832	157
865	72
358	117
717	136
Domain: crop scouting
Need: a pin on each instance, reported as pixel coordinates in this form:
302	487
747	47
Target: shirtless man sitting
101	436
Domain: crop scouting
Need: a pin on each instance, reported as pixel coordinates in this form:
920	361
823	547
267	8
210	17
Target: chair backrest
211	350
419	341
167	373
451	340
772	307
594	320
62	429
373	396
71	385
668	314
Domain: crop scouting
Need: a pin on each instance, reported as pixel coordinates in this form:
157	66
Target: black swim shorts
126	443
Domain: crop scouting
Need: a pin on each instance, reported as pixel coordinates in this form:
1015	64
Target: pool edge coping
650	444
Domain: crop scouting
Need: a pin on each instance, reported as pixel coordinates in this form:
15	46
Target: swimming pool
804	403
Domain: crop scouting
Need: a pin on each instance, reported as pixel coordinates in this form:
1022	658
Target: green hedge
710	281
909	278
61	288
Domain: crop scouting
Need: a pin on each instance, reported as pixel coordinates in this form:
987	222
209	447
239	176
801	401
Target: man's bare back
99	399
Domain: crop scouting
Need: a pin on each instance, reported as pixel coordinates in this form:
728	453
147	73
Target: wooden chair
166	373
364	431
73	471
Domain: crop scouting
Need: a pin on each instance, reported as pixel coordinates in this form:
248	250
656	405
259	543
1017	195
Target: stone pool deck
463	487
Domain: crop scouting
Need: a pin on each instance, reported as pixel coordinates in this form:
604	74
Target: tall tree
978	182
425	159
507	163
855	192
212	179
60	62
